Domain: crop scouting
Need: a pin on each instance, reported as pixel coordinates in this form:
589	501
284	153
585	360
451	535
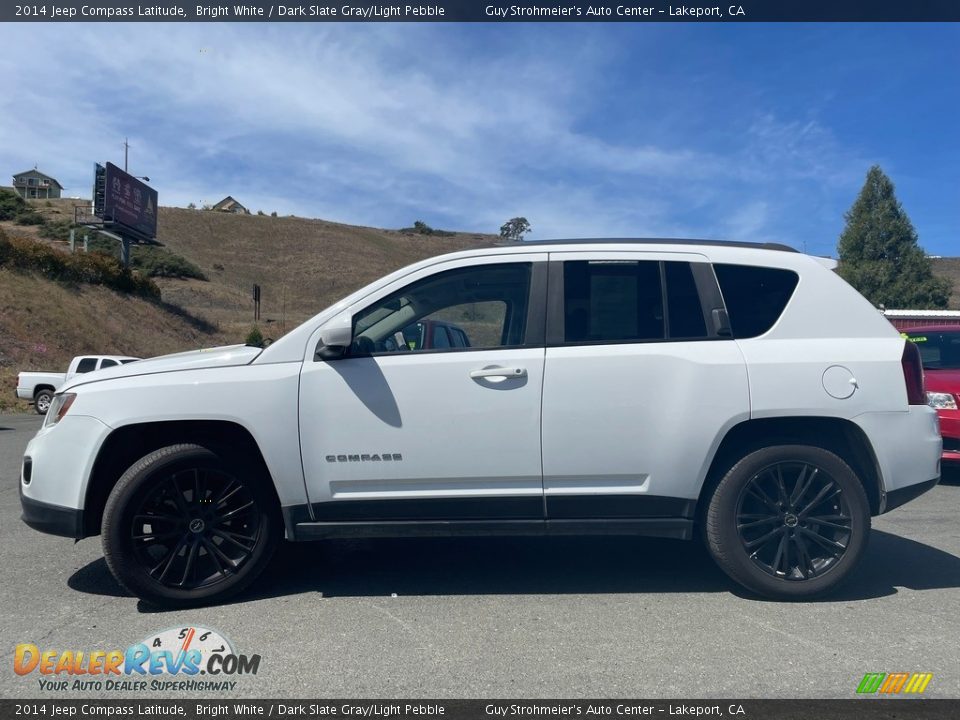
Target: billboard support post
73	246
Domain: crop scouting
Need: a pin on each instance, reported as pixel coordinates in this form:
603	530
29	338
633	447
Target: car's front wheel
788	522
186	526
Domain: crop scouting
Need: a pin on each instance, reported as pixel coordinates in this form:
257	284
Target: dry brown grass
44	324
301	265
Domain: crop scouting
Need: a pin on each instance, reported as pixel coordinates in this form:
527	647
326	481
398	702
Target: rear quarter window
755	296
87	364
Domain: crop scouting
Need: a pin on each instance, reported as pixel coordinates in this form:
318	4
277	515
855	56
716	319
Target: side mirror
335	338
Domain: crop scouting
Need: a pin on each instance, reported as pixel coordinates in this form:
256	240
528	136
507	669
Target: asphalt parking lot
517	618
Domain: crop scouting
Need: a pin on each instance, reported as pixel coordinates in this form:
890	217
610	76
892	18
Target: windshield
938	350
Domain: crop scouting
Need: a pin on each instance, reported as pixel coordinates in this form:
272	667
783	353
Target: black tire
185	526
788	522
42	400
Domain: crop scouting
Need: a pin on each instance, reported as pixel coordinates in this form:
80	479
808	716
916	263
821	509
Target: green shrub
152	261
5	248
11	205
156	262
29	217
59	230
254	337
91	268
421	228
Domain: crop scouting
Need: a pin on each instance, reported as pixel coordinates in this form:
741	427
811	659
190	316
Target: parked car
740	392
940	353
39	387
431	334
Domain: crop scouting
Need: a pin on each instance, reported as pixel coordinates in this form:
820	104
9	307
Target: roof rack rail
661	241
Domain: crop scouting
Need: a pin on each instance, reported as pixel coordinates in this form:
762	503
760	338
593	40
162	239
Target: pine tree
880	255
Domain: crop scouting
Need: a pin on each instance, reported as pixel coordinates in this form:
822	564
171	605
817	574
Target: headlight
58	408
938	401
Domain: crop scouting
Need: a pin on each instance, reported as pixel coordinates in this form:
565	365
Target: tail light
913	374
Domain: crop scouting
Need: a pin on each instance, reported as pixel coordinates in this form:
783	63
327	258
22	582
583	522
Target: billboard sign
126	201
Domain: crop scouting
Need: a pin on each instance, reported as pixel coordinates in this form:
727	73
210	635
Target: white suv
642	387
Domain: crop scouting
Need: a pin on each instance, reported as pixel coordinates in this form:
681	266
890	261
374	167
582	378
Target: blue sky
753	132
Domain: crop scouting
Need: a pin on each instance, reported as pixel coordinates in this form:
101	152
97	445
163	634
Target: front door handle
499	372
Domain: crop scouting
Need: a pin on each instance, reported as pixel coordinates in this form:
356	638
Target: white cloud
382	125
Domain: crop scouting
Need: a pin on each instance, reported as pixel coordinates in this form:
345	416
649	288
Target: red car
940	351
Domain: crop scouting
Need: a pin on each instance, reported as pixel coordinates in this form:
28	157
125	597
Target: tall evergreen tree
880	255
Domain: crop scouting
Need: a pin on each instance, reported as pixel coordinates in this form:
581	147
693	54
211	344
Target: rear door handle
499	372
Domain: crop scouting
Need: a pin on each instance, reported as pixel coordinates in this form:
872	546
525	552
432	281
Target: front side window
478	307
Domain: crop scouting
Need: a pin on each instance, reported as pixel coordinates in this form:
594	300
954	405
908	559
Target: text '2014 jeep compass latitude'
660	388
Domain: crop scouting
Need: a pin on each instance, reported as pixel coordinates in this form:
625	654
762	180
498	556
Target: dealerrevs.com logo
894	683
189	659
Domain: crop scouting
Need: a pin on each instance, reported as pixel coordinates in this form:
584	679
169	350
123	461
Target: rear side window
108	363
755	296
611	301
87	365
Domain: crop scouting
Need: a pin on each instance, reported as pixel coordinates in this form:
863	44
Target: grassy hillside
950	269
301	265
44	323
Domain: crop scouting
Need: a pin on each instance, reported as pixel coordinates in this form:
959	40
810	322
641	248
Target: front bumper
52	519
57	466
950	429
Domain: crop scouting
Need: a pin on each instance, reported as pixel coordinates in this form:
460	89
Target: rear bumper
908	448
904	495
52	519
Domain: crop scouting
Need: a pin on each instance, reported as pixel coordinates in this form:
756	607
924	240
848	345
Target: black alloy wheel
793	520
187	525
788	522
197	527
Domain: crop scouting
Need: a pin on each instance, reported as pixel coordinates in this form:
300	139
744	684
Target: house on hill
33	184
228	204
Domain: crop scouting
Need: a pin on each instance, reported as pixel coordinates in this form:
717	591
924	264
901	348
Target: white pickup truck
39	387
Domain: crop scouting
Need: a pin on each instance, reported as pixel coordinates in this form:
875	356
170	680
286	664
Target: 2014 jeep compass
645	387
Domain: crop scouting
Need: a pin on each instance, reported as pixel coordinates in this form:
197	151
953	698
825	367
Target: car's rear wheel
185	526
42	400
789	522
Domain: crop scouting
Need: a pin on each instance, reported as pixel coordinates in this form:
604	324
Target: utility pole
126	153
